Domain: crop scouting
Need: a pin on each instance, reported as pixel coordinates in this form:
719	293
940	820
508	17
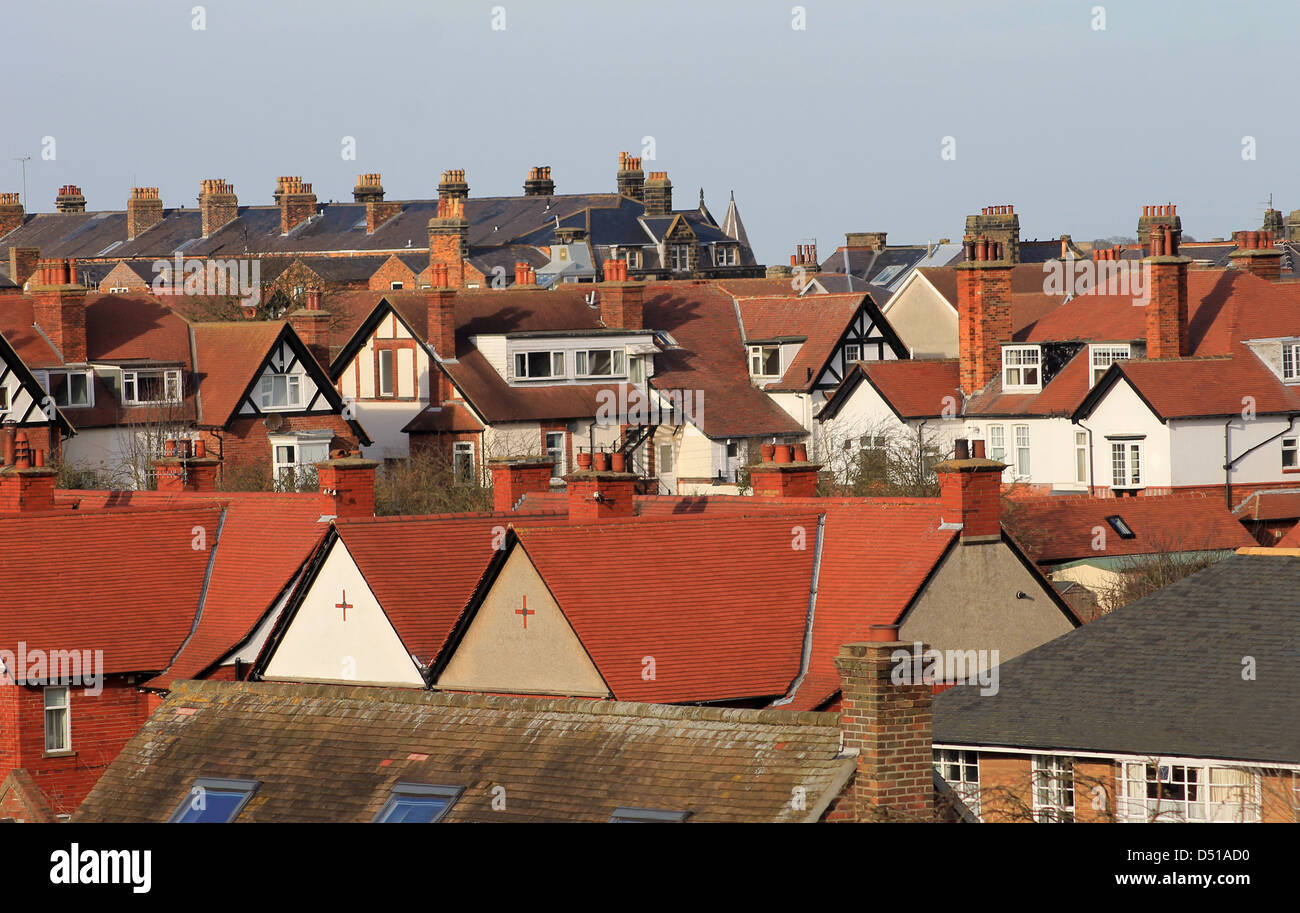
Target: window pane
216	806
413	809
772	361
386	372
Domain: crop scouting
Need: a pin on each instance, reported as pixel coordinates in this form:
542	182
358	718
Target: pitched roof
1200	387
227	359
1055	529
1029	302
128	582
1160	677
330	754
1270	505
710	360
913	388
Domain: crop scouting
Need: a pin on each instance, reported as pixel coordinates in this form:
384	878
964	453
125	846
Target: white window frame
756	361
679	257
1081	457
1291	360
955	766
556	451
392	371
1123	459
636	369
582	361
1015	368
997	444
292	392
299	467
65	720
726	255
556	363
1291	453
118	290
396	285
632	255
171	387
461	451
1020	438
1053	788
1101	357
1203	800
44	378
852	352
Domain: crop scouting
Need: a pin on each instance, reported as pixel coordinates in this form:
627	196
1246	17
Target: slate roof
1059	529
1161	676
332	754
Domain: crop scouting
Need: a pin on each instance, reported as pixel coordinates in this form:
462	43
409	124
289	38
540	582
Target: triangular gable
22	802
516	640
868	327
26	397
679	228
1114	374
336	631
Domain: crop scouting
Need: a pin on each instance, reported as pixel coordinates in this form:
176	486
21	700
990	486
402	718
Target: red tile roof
1270	505
913	388
1205	387
1054	529
667	589
228	356
127	582
820	319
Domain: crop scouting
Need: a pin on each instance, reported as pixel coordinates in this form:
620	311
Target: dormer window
1291	362
146	388
601	363
679	257
529	365
1020	368
68	389
725	255
632	256
765	361
281	391
1105	356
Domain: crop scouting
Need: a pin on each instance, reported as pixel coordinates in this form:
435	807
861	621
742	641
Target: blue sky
833	128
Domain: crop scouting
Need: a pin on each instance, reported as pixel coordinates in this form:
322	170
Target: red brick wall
100	724
246	442
394	270
1167	310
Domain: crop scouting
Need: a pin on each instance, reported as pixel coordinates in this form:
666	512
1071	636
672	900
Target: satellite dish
276	423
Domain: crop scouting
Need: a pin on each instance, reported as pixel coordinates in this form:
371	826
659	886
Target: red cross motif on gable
344	605
525	611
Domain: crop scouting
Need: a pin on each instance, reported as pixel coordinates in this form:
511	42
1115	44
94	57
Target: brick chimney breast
622	304
11	213
600	495
218	205
1256	254
631	179
297	203
59	308
143	211
1166	290
347	487
890	727
512	479
658	194
970	491
539	183
983	314
70	199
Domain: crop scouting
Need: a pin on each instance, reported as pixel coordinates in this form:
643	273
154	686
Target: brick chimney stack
218	205
26	484
1256	254
143	211
512	479
970	492
870	240
453	186
622	302
297	203
658	194
189	469
70	199
1162	218
347	487
784	473
312	324
441	303
983	312
1000	225
22	263
805	257
449	238
59	308
890	726
11	213
370	190
631	179
1166	294
539	183
600	494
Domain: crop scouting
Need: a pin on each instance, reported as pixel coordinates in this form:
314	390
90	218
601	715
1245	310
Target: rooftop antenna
24	159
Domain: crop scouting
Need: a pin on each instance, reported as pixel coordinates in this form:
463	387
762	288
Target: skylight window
646	816
213	801
418	803
1117	523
